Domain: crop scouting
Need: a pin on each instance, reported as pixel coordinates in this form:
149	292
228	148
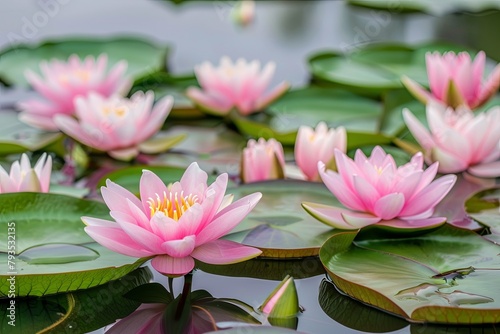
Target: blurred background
282	31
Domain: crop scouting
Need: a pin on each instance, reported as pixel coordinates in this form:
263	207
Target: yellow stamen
174	205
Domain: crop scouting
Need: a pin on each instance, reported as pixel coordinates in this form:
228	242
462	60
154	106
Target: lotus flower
459	139
24	178
117	125
312	146
174	224
62	82
455	80
241	86
262	161
376	191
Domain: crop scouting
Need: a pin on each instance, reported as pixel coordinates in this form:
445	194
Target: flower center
82	75
174	205
116	111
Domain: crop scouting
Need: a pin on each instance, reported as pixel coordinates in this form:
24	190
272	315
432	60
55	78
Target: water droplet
57	253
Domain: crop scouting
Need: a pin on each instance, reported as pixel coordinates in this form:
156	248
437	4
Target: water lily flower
455	80
62	82
23	177
376	191
240	86
174	224
459	139
262	160
117	125
312	146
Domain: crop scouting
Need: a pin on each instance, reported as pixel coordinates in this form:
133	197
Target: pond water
285	32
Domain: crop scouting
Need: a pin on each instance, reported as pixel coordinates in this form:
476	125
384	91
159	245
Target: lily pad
142	56
376	68
485	209
308	106
77	312
278	225
444	276
18	137
53	253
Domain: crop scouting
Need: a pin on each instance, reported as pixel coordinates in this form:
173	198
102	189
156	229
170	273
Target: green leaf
287	303
444	276
142	56
484	208
374	69
18	137
77	312
160	143
342	309
296	234
309	106
257	330
53	252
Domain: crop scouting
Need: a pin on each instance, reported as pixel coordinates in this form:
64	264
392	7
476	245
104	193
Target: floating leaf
444	276
77	312
429	6
58	255
18	137
142	56
485	209
278	225
376	68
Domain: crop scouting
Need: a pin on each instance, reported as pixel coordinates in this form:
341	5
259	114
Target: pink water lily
117	125
455	80
241	86
62	82
23	177
459	139
376	191
174	224
312	146
262	160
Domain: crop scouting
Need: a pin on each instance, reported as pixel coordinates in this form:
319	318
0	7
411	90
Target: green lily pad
429	6
78	312
445	276
484	208
278	225
18	137
308	106
376	68
142	56
53	253
341	308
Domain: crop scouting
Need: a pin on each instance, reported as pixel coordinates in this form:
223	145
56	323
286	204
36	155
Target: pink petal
179	248
228	218
270	97
194	180
29	182
221	107
429	197
224	252
214	197
487	170
141	236
124	154
489	89
117	241
418	131
366	192
151	186
359	219
389	206
416	90
420	224
335	184
329	215
115	197
176	266
148	318
449	163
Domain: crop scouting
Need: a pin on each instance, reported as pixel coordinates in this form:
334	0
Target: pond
407	264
